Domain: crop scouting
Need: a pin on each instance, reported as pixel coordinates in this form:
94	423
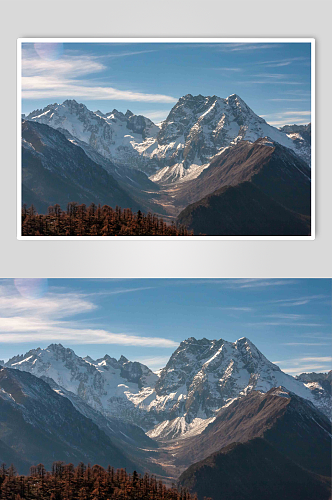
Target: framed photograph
100	399
166	138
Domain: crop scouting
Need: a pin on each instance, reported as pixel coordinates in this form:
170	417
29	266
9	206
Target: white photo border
20	41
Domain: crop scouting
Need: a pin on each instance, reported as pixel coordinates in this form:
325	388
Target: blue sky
289	320
148	78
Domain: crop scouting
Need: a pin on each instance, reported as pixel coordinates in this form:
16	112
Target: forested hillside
84	483
79	220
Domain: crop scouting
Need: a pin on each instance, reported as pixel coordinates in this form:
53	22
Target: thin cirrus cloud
240	309
286	316
298	301
290	100
236	70
288	117
306	343
305	364
256	283
245	47
154	362
280	62
43	320
65	77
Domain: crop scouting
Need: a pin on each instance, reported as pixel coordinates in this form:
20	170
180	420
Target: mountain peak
89	359
242	340
234	96
123	359
72	102
57	347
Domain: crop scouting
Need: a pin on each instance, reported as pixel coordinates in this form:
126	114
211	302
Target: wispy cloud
306	343
288	117
257	283
295	366
240	309
294	120
156	115
286	316
54	318
42	78
275	76
290	100
153	362
297	113
246	47
236	70
298	301
284	323
281	62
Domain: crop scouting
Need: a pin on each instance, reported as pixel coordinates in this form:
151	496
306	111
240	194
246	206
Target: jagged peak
88	359
123	359
128	113
59	348
72	102
234	96
54	347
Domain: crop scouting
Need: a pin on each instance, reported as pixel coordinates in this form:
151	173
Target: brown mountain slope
242	210
276	170
254	470
289	423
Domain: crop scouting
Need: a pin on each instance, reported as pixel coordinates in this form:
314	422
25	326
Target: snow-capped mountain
201	377
196	129
105	384
321	386
199	127
114	135
301	135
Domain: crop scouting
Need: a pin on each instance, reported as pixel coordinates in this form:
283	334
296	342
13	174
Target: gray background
159	18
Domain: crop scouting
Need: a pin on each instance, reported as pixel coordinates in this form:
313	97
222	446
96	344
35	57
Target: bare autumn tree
66	482
78	220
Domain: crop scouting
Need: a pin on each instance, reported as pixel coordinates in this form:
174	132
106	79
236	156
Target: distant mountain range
200	377
204	144
196	129
212	406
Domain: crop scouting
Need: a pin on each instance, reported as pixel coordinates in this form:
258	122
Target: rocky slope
293	425
56	171
263	446
196	129
41	426
114	135
321	386
201	377
272	168
301	135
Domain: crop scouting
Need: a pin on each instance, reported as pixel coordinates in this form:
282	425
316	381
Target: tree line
80	220
66	482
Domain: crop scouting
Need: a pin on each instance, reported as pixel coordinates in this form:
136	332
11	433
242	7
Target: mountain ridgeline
212	406
71	154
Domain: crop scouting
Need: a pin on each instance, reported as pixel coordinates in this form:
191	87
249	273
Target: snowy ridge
201	377
196	129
